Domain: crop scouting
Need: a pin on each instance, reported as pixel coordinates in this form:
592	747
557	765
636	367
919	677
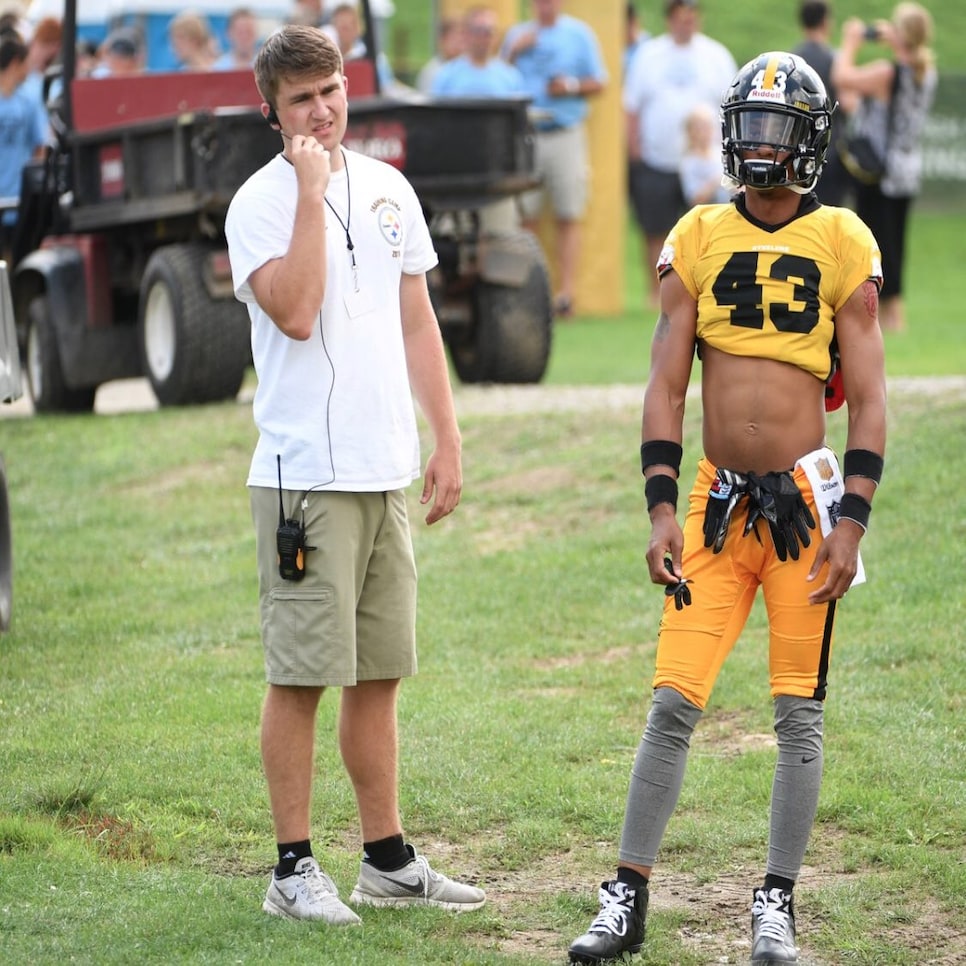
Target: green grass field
134	825
133	818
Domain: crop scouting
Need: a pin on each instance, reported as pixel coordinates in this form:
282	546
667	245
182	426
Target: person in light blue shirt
242	35
559	58
23	132
477	73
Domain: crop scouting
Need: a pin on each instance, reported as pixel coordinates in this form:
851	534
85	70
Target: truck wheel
509	339
50	393
194	348
6	556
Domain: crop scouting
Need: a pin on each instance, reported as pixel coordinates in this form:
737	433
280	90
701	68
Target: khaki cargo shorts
353	616
562	160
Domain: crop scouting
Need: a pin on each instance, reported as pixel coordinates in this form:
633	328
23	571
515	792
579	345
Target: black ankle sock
289	854
631	877
387	855
779	882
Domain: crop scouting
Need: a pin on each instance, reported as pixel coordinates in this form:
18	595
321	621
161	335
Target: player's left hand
839	551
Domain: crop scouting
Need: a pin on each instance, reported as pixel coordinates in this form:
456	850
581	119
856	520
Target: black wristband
661	452
661	489
863	462
855	508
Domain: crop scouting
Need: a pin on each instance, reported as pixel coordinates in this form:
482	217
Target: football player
761	290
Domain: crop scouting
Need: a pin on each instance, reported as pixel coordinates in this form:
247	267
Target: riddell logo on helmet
757	94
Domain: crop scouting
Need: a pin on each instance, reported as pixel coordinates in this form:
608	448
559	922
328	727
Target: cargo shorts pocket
300	631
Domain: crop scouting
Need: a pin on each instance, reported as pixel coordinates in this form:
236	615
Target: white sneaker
414	884
309	894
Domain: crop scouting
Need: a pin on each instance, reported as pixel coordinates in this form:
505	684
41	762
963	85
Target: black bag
862	157
864	145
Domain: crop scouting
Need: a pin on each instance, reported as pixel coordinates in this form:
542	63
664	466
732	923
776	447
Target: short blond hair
192	26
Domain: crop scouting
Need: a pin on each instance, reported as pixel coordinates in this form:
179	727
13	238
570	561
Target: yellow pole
600	280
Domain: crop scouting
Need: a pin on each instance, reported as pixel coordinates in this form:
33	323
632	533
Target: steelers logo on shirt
390	224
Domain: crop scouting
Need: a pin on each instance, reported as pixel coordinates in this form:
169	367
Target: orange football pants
694	642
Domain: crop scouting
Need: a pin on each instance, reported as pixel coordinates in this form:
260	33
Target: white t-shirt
664	82
338	407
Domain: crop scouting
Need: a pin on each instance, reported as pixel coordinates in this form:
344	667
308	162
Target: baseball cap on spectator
672	5
123	42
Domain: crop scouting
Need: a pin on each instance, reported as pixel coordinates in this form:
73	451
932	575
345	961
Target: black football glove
680	591
775	497
726	490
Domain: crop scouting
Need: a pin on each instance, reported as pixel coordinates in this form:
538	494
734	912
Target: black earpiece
272	118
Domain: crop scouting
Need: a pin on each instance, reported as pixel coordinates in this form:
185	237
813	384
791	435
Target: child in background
701	164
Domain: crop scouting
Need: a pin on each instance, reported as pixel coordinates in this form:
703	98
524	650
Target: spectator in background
23	131
192	41
86	58
242	36
450	43
478	72
815	18
902	88
43	49
121	54
345	28
309	13
701	162
635	35
561	65
683	67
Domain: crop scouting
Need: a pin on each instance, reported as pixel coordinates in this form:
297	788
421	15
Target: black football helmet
779	101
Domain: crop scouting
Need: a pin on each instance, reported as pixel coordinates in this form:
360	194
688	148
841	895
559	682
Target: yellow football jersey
771	291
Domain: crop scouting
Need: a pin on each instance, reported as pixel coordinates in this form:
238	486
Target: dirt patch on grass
716	927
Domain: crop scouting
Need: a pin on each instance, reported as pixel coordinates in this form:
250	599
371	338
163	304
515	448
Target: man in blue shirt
561	65
23	131
477	73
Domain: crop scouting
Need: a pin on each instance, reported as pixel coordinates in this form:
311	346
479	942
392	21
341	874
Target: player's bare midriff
760	415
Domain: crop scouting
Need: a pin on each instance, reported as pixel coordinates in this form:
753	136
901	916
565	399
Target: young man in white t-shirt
329	250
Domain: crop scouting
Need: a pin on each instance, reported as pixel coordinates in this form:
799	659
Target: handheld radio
289	539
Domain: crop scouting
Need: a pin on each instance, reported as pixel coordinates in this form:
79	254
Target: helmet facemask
799	142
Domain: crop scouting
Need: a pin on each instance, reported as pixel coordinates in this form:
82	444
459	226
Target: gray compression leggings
658	773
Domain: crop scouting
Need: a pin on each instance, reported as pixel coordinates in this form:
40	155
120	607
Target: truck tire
510	334
194	348
6	556
47	387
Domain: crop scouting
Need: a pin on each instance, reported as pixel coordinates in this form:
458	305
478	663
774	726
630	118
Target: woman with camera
900	89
